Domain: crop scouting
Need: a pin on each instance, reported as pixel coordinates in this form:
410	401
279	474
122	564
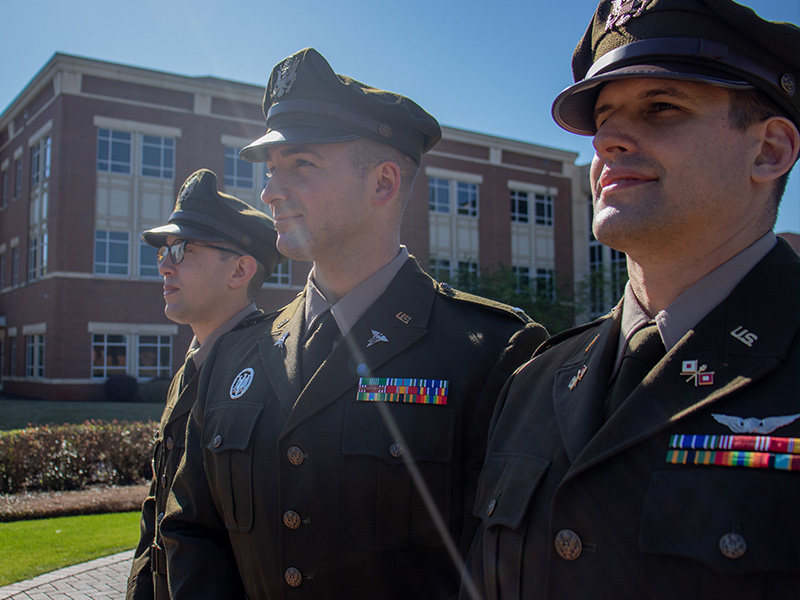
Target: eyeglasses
178	249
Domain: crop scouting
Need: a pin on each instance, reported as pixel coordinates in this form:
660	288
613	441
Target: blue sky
488	67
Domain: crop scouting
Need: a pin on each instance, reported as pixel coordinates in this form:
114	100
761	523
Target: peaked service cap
306	102
204	214
718	42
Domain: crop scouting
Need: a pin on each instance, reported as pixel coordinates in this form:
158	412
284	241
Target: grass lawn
17	414
30	548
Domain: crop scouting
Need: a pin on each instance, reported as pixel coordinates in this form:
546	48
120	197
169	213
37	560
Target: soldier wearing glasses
214	253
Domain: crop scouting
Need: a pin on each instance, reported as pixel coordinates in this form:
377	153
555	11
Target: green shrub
155	391
69	457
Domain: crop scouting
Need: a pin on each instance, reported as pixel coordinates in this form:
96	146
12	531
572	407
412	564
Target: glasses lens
161	254
176	250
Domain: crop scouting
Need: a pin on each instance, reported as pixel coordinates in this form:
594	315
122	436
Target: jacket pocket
390	451
505	488
730	521
227	442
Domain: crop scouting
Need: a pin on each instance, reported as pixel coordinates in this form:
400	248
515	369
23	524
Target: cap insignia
188	188
623	11
788	84
287	73
385	130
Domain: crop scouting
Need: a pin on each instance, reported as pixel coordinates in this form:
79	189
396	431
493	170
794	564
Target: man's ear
780	144
385	178
244	269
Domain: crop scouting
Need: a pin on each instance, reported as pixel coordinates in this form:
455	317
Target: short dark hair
366	154
259	277
753	106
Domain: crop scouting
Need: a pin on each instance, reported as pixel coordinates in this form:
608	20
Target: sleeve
200	559
517	351
140	580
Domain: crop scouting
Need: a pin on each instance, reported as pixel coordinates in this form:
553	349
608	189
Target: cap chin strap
665	49
328	109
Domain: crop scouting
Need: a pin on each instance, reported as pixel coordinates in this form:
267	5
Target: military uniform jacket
148	577
573	507
288	492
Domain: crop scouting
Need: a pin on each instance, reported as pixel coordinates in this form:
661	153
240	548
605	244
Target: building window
619	273
467	199
282	275
40	161
544	210
4	189
155	356
2	270
33	258
467	276
12	359
522	279
17	178
34	355
438	195
158	157
238	173
109	354
110	252
148	266
113	151
439	269
545	284
15	266
597	301
519	206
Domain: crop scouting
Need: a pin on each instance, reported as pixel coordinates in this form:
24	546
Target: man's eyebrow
659	92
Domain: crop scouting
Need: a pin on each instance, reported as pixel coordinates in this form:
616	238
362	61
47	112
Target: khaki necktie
189	369
644	351
318	345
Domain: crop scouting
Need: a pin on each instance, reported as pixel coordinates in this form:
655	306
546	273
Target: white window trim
136	127
532	188
236	142
42	132
457	175
34	329
131	328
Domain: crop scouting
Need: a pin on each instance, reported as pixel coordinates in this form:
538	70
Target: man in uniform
653	453
214	253
353	479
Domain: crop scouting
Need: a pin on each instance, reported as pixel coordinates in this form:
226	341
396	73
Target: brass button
293	577
296	456
568	544
732	545
490	508
170	443
291	519
397	450
217	441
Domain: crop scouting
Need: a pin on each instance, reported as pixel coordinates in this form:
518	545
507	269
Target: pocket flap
506	486
230	426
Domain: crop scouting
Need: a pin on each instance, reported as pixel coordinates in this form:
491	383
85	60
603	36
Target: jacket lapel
390	326
280	353
675	389
579	386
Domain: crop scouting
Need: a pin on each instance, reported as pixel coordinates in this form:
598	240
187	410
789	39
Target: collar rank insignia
623	11
241	383
377	336
696	374
286	77
281	341
578	376
754	424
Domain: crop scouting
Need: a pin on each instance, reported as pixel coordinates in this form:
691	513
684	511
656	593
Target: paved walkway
101	579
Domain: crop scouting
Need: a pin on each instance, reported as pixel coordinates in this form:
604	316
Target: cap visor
573	108
257	150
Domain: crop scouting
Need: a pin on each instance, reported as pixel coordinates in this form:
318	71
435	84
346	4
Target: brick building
92	153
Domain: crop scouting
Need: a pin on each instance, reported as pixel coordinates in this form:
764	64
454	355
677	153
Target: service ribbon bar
759	443
735	458
393	389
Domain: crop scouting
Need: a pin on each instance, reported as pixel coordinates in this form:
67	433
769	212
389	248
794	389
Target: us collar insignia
754	424
241	383
623	11
286	76
745	336
696	374
578	376
377	336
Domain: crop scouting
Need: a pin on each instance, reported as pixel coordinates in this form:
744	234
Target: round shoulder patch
241	383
